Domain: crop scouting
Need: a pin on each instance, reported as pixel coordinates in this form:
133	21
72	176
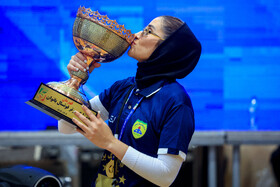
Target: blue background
240	57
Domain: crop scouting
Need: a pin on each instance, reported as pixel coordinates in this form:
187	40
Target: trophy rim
100	44
104	21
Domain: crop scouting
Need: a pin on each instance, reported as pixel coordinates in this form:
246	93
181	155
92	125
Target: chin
130	53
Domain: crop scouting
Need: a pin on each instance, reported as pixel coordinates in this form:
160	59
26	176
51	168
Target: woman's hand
94	129
79	62
99	133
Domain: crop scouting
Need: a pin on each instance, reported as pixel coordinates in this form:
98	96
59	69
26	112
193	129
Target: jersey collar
150	90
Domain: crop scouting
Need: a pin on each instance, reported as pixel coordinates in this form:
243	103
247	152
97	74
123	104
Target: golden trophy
99	39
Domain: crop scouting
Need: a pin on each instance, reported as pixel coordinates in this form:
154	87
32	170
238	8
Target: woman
150	116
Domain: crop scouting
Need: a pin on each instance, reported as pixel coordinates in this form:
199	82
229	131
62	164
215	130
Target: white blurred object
252	112
265	178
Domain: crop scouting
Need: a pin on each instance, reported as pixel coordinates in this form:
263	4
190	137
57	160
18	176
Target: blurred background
240	57
235	86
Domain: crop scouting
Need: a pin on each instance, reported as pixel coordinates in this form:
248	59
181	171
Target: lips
133	42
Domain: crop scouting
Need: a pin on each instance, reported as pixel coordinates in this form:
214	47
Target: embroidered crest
139	128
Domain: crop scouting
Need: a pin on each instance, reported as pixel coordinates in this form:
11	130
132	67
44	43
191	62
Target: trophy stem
74	82
71	88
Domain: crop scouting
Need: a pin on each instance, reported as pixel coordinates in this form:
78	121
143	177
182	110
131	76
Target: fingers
89	113
70	68
81	56
85	126
81	125
77	62
85	120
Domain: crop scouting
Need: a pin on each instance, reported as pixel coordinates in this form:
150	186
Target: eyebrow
151	26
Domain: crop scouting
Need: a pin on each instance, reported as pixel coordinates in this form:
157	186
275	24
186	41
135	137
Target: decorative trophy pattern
100	40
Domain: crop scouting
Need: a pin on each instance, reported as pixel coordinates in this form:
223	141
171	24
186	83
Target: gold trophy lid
112	25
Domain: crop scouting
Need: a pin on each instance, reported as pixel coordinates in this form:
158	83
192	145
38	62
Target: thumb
98	115
93	66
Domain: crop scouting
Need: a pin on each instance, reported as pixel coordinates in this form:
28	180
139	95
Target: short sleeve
177	131
108	94
111	95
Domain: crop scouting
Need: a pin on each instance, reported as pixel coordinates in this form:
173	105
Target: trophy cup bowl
99	39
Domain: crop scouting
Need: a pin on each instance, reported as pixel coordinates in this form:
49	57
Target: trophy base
56	104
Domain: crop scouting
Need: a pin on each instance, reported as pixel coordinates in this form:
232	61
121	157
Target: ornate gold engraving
95	16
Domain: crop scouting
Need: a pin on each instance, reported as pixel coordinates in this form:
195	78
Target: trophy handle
90	62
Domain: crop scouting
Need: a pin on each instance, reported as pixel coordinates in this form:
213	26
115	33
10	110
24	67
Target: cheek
149	45
143	49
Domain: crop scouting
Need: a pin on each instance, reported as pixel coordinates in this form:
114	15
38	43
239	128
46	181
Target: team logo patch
139	128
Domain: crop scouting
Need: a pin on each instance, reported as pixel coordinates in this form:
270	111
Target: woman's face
144	45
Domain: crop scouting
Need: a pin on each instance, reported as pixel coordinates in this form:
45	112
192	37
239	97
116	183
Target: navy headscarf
173	59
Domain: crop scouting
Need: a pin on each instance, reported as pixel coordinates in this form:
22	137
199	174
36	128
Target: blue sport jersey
163	123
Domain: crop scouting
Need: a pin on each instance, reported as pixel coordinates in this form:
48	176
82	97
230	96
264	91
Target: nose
138	34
